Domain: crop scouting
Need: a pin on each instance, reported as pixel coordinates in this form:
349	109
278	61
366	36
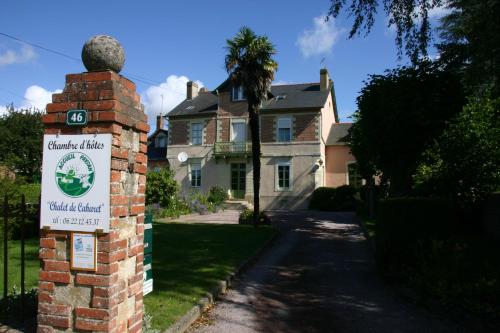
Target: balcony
232	149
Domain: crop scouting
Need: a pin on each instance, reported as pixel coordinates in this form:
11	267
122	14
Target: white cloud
38	97
320	39
439	12
10	57
3	110
173	91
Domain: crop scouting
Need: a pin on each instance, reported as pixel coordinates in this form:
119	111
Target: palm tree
250	64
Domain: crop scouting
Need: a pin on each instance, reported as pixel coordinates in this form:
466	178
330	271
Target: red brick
142	126
47	286
119	153
106	105
134	288
115	189
127	84
135	250
95	280
59	98
140	168
60	277
88	95
59	309
141	158
61	107
141	189
49	243
107	116
50	118
54	265
44	296
108	94
143	137
139	229
91	325
118	211
137	327
104	302
105	291
115	176
143	148
120	165
71	78
112	246
101	314
135	318
119	200
49	320
111	236
135	278
106	258
138	209
100	76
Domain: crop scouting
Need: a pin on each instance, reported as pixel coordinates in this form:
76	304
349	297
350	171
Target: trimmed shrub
403	225
342	198
217	195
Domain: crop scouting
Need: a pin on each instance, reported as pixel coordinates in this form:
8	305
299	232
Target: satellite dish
182	157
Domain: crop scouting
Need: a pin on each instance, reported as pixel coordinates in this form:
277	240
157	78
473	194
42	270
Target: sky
168	43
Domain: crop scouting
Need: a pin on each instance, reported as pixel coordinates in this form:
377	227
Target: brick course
90	301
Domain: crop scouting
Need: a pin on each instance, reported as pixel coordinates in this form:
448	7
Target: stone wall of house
178	132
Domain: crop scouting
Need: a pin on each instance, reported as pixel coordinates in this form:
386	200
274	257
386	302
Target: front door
238	180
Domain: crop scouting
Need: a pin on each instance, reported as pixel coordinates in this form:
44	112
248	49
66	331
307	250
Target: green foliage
161	187
420	243
246	217
249	62
21	145
409	17
464	163
399	115
342	198
217	195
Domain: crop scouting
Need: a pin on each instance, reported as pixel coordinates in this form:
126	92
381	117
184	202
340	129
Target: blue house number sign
76	117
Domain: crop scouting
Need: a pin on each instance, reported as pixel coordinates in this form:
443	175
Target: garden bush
161	187
217	195
342	198
246	217
405	224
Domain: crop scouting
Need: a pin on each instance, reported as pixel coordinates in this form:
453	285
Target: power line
138	78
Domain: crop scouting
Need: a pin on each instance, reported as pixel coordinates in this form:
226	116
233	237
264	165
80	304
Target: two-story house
209	141
157	146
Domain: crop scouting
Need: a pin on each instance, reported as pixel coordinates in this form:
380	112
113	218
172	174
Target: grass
189	259
14	265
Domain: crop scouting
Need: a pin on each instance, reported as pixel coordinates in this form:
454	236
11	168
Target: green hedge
403	225
342	198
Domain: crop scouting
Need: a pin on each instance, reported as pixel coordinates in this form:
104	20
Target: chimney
192	90
159	122
324	80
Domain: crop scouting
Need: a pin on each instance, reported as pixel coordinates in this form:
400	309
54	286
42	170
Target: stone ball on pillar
101	53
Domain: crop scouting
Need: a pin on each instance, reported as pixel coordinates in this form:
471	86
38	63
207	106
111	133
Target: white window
196	133
283	176
238	130
161	141
284	129
238	94
195	173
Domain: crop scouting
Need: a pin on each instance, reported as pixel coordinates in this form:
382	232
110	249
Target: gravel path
318	277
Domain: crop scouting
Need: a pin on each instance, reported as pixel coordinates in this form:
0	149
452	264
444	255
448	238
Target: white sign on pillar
75	182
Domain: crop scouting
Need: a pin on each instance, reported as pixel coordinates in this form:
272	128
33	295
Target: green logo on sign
75	174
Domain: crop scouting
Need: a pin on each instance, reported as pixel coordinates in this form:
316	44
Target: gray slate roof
204	103
339	134
284	97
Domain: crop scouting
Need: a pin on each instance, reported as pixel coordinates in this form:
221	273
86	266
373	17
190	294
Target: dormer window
238	94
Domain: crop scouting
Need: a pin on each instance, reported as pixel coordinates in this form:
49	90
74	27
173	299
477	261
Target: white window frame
288	163
194	163
238	94
283	119
201	135
238	121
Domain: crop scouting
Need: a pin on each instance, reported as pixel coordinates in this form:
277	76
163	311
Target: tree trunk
255	134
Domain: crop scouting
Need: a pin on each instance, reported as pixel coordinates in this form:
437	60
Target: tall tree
399	115
21	145
410	18
249	62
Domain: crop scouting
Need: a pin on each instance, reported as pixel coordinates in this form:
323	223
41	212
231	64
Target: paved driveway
319	277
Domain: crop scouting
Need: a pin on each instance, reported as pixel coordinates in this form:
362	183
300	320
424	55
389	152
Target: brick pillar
111	298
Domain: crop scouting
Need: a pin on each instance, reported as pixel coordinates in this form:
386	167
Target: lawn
32	265
189	259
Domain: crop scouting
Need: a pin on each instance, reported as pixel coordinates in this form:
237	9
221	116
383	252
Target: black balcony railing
228	149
